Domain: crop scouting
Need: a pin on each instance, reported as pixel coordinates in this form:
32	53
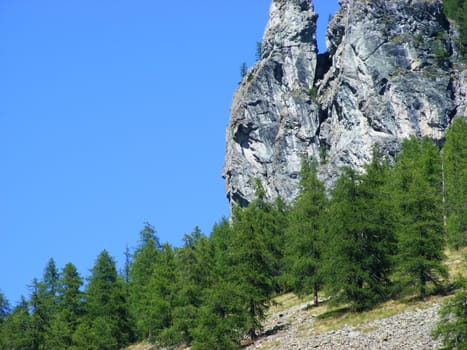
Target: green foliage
259	50
455	170
222	317
193	273
106	323
70	309
305	235
361	237
452	327
43	305
140	273
243	69
251	263
162	291
323	153
441	52
314	93
382	227
418	192
17	330
457	11
4	308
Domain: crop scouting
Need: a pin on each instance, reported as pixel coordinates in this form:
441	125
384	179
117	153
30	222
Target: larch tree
70	309
252	262
455	179
106	324
305	234
140	272
418	192
361	237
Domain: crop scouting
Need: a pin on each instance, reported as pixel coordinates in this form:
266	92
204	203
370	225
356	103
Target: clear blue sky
113	113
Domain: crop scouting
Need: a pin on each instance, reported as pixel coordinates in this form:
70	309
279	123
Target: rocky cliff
391	71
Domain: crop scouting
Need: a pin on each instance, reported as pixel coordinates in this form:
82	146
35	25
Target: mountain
391	70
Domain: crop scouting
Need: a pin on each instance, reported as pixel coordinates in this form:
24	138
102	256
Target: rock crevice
390	72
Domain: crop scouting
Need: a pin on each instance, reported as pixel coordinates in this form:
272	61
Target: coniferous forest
377	235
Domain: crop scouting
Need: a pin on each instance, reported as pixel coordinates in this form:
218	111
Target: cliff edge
391	70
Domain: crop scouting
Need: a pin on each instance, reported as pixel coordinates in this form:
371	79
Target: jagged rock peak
272	118
390	72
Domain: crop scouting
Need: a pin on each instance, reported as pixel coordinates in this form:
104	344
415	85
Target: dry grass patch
287	301
456	262
141	346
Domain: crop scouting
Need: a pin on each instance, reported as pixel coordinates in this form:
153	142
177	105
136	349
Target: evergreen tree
452	327
194	263
305	234
220	241
70	310
4	308
455	170
40	316
17	329
106	323
243	69
140	272
162	292
221	318
51	280
4	311
361	238
418	184
259	50
251	262
457	11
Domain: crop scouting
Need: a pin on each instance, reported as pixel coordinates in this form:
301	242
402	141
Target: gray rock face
388	74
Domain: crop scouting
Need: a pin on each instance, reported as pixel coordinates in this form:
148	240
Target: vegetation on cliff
457	11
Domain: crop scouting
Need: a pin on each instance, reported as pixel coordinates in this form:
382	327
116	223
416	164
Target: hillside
397	324
292	323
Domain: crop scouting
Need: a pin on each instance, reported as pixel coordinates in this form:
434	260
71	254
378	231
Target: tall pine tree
455	178
140	272
70	310
106	324
17	329
305	235
418	192
361	233
252	262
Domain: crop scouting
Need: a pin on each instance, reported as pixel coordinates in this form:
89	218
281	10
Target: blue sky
112	114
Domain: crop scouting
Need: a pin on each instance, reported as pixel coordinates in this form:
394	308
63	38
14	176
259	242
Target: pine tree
70	310
418	190
4	312
220	241
106	324
457	11
194	263
243	69
252	263
40	316
305	234
455	170
361	238
17	329
221	320
140	272
4	308
162	292
452	327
